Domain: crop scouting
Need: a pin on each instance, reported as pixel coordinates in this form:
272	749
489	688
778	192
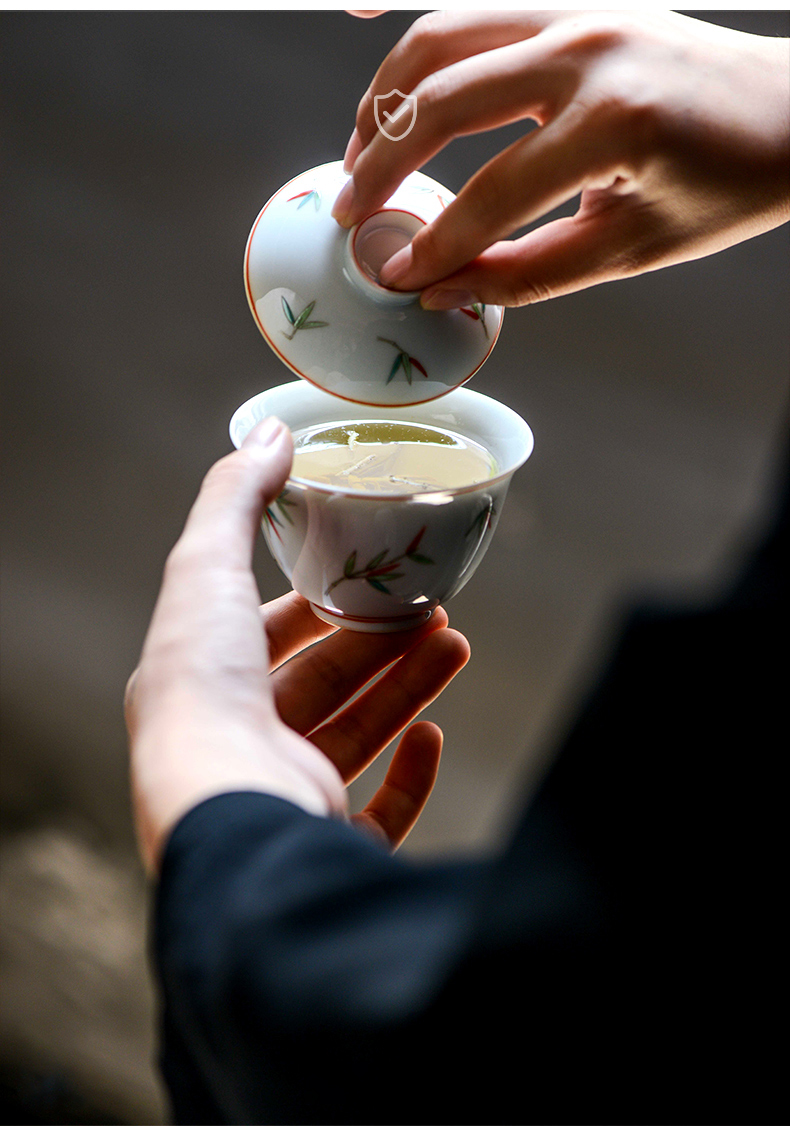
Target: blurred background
138	148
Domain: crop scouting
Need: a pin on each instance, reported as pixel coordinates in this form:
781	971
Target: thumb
270	443
223	524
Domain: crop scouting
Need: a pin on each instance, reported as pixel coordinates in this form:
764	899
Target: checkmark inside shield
398	124
399	112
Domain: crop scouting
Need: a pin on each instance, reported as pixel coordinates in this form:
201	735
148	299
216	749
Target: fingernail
353	149
396	267
266	432
343	205
447	299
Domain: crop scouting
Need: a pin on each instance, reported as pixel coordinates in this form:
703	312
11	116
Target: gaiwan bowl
384	562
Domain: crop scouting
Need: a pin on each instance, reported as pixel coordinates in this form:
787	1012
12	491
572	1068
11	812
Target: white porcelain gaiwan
384	562
313	291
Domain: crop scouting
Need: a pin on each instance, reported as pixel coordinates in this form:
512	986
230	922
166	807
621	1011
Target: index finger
468	74
515	82
436	40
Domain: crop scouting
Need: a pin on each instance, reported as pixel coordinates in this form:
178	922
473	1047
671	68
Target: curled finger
562	257
508	83
291	626
396	806
529	179
323	678
435	41
355	736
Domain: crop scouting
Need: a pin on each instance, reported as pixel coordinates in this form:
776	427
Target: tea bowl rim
427	496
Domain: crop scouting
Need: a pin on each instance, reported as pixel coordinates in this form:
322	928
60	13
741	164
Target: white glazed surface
385	562
335	326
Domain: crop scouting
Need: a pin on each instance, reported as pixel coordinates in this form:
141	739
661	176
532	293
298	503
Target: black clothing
617	963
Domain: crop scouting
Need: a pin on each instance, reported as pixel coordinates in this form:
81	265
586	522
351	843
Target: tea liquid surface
389	457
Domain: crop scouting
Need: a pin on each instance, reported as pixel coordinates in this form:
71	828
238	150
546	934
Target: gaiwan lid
313	291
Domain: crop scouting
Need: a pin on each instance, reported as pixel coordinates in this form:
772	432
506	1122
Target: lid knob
373	242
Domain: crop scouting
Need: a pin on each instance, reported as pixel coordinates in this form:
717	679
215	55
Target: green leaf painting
300	321
305	197
482	521
478	313
402	361
379	570
281	505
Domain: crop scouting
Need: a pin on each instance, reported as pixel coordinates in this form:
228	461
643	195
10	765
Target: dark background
137	151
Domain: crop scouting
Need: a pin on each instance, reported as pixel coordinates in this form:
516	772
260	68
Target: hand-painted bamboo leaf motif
394	368
478	313
377	573
415	543
273	522
482	521
305	197
402	360
305	313
412	552
481	312
283	504
390	567
376	560
300	322
270	516
378	586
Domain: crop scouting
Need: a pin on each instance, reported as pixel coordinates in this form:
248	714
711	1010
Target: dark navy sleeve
280	936
620	960
308	975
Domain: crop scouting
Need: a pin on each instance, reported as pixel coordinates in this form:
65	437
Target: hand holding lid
314	293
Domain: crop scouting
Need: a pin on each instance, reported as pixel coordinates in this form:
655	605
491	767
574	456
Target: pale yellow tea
389	457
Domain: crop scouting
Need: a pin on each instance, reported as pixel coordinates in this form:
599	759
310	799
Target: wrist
175	768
